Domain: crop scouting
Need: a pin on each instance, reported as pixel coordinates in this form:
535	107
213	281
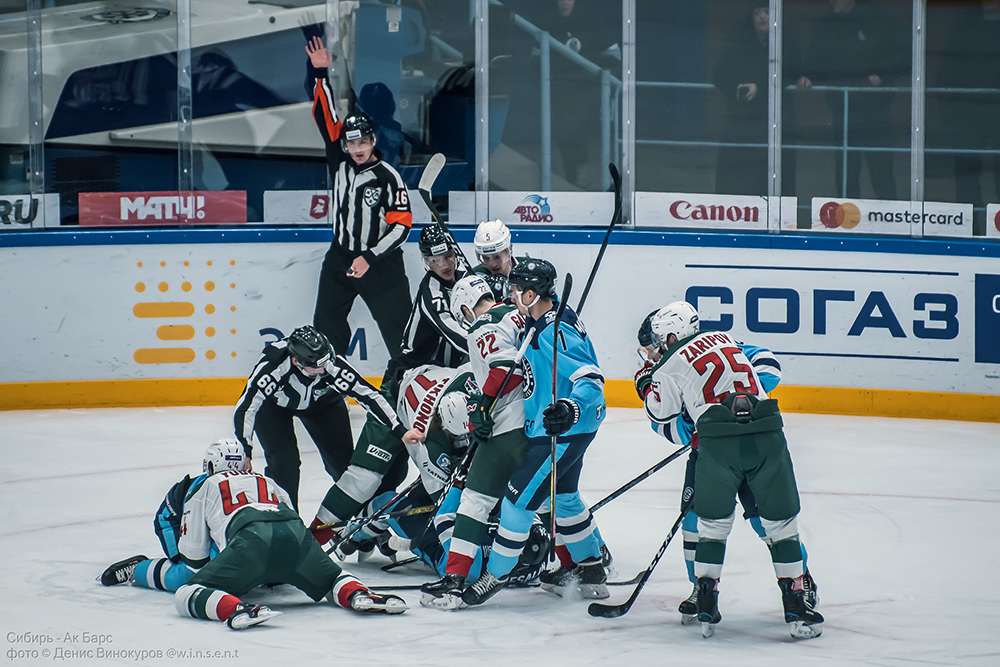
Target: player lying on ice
248	519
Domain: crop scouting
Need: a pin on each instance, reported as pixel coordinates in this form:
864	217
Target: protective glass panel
554	109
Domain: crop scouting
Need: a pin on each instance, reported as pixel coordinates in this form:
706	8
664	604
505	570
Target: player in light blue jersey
574	418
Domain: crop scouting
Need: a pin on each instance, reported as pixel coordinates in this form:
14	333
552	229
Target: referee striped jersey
370	207
276	379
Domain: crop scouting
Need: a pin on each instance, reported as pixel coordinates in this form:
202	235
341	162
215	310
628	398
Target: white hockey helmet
678	318
492	237
453	409
468	292
224	454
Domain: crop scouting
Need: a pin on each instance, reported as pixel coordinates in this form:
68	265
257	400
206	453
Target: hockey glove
480	417
560	416
644	380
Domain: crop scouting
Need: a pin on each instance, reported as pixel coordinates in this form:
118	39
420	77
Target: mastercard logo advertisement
834	215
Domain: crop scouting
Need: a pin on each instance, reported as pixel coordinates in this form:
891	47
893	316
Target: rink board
178	317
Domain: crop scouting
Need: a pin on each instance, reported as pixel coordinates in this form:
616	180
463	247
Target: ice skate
122	572
377	604
708	606
804	622
588	579
446	593
247	615
483	589
689	608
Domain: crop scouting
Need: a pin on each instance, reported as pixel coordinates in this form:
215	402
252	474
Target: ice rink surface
901	519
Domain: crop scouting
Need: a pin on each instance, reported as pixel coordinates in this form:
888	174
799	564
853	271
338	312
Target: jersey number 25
718	365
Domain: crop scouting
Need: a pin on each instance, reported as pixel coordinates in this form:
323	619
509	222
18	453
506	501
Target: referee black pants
384	288
328	424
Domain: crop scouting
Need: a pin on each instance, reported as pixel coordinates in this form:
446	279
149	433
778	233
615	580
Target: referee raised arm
371	217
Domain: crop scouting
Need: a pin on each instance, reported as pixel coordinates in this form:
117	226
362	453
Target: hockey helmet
356	126
453	409
434	241
309	347
645	334
499	283
491	238
224	454
534	274
468	292
678	318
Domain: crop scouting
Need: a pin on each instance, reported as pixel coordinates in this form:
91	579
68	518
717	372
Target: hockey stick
616	218
420	509
426	184
641	476
368	520
467	459
400	563
615	610
416	587
423	509
567	286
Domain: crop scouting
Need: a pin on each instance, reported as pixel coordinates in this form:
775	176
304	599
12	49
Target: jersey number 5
231	504
718	366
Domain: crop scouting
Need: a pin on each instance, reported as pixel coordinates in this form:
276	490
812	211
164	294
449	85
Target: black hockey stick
420	509
638	478
470	452
616	218
431	171
567	286
423	509
368	520
400	563
416	587
615	610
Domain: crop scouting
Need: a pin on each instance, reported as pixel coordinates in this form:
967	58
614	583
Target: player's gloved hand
644	379
479	416
560	416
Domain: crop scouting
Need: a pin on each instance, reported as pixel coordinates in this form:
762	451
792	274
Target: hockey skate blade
689	619
380	604
244	621
444	603
800	630
707	630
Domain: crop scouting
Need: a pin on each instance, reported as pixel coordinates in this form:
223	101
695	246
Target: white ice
900	518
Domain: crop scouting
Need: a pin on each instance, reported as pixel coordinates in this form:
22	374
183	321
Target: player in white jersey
378	448
260	539
707	376
495	330
769	371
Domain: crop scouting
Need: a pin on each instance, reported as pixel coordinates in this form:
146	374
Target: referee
371	219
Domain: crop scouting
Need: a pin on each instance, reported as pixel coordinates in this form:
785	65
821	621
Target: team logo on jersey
372	196
379	453
444	463
529	378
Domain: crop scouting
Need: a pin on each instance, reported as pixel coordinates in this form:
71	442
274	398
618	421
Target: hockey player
708	377
574	419
494	333
769	371
165	574
299	376
260	539
494	249
432	335
370	211
378	448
